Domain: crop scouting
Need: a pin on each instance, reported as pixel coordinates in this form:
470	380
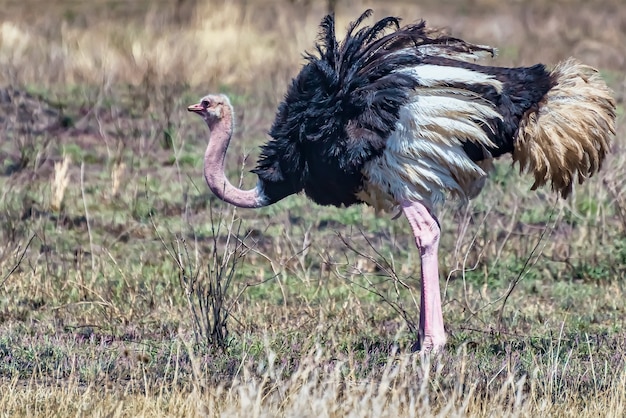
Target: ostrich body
401	117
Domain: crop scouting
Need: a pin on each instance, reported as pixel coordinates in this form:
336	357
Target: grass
105	218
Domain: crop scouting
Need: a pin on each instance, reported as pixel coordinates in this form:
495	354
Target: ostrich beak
197	108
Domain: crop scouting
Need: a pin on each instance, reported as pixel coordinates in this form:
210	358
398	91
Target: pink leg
432	336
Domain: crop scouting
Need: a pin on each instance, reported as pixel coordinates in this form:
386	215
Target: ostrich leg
431	336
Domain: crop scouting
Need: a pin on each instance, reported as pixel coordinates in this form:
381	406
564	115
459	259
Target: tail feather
568	133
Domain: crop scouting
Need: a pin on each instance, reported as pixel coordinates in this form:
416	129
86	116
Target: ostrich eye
205	103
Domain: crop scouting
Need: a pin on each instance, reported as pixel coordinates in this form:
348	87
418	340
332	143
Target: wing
345	103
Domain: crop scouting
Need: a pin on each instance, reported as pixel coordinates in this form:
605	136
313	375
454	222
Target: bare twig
389	271
208	295
82	192
524	269
19	261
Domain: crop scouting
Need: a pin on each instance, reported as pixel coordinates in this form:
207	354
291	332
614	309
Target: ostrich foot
429	344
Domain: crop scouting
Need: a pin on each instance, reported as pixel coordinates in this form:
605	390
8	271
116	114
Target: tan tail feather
568	134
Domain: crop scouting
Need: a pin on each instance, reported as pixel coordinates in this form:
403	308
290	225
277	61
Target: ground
127	289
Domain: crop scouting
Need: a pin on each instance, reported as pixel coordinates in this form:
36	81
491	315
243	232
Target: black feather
345	102
339	111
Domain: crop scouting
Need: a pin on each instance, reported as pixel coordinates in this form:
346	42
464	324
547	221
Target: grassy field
127	289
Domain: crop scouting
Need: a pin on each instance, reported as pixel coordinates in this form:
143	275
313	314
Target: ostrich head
217	112
212	108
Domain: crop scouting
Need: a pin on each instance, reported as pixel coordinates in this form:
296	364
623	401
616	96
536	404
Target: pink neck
221	132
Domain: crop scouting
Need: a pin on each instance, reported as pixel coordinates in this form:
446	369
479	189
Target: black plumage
344	104
337	113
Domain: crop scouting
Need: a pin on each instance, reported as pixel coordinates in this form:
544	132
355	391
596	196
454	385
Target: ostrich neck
221	132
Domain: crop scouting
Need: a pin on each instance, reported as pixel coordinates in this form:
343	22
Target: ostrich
400	118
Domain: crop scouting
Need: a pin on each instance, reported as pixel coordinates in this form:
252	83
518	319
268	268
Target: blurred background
247	42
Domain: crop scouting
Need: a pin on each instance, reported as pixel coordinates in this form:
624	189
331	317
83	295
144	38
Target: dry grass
59	183
220	45
94	320
320	386
223	43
